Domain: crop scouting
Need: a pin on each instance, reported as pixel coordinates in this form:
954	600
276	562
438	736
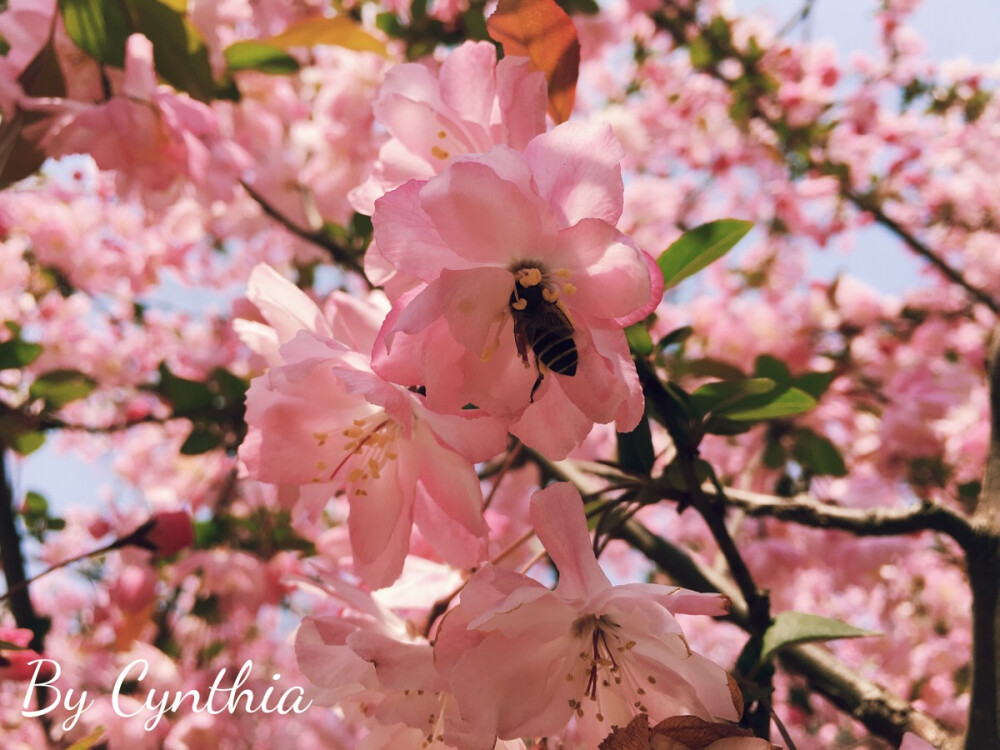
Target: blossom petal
449	509
482	217
558	517
473	302
380	524
467	79
286	307
576	169
407	238
611	277
522	93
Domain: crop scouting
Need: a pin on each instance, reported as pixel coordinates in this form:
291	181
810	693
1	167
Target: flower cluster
508	287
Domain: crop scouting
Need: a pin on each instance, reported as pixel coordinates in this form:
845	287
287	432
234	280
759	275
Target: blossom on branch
526	287
523	660
321	416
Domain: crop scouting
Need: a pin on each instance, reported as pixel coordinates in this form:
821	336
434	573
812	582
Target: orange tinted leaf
634	736
339	31
697	733
541	30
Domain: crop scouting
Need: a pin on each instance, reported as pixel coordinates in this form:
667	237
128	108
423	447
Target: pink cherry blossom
150	133
487	234
321	416
522	660
472	104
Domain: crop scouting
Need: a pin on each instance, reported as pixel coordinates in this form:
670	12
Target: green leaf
582	7
814	383
230	387
767	366
8	646
677	336
714	396
35	504
790	628
338	31
19	154
18	353
639	340
698	248
98	27
200	440
790	402
186	396
635	449
717	425
60	387
179	51
818	454
266	58
208	534
710	368
676	475
27	442
774	455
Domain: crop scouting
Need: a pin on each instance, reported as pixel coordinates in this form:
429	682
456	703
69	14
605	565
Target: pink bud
164	533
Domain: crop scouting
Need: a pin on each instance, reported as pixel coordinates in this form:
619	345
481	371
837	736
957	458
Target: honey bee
541	324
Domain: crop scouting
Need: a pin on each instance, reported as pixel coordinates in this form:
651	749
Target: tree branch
340	254
808	511
883	713
679	22
13	564
984	578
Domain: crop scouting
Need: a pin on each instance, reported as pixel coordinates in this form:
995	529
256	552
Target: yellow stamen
439	153
569	289
519	304
529	277
550	295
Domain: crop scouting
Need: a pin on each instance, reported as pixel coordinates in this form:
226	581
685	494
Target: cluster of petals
522	660
480	238
472	104
321	416
148	132
367	654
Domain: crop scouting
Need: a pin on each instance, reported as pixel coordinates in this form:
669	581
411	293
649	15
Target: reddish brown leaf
19	157
635	736
541	30
696	733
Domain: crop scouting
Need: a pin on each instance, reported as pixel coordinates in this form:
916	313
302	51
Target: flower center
371	443
606	662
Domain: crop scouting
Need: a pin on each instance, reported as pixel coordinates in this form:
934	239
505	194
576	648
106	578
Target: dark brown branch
869	205
15	576
48	422
13	564
340	254
882	712
808	511
984	579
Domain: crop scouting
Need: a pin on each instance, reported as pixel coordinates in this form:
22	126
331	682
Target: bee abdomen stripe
558	353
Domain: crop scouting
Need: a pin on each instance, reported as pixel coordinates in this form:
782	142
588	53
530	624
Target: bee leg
538	382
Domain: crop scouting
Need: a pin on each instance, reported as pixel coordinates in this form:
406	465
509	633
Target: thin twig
340	254
808	511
